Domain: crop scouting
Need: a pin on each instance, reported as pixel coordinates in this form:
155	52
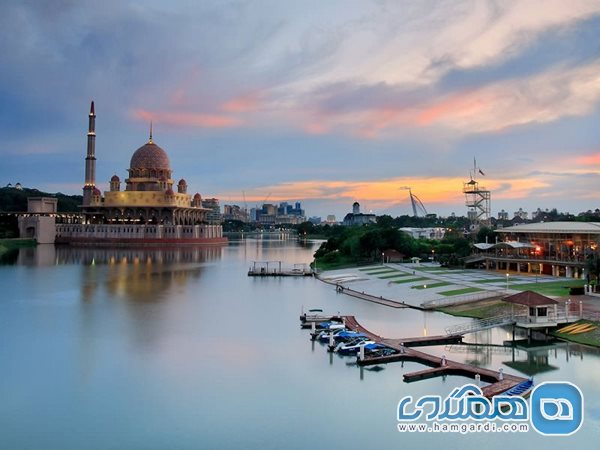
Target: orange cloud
184	118
387	193
240	104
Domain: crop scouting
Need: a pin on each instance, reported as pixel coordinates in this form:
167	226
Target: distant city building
282	214
214	215
234	212
315	220
502	215
253	215
358	218
425	233
520	214
331	220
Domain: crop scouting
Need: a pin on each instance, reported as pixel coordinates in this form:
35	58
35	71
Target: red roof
530	298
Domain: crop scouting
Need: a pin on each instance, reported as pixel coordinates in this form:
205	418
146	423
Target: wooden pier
500	381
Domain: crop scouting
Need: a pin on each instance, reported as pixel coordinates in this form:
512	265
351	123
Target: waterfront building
147	210
234	212
214	214
358	218
550	248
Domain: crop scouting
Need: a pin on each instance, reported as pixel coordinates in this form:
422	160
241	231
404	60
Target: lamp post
432	255
507	275
382	258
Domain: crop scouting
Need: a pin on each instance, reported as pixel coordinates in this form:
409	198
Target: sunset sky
324	102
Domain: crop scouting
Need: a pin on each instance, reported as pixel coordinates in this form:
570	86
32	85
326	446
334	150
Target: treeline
366	243
15	200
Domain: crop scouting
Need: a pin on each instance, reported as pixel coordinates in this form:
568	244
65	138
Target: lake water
179	349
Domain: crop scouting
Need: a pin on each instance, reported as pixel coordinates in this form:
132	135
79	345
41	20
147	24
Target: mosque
147	210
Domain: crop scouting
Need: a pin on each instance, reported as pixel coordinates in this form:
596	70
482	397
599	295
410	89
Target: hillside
15	200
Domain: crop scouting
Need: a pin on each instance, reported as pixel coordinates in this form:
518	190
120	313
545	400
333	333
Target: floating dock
500	381
274	269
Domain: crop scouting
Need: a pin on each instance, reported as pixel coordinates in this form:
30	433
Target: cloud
243	103
187	119
387	192
369	111
589	160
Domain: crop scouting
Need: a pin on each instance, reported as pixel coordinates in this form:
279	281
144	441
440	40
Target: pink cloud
589	160
460	105
186	119
315	128
243	103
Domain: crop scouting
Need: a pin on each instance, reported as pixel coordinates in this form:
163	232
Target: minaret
90	159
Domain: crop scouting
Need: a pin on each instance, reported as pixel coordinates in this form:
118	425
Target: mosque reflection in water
137	274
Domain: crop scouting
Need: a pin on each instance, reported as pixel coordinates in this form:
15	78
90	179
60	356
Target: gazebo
542	311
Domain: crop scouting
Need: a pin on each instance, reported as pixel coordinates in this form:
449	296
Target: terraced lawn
467	290
433	285
491	280
366	269
396	275
411	280
381	272
553	288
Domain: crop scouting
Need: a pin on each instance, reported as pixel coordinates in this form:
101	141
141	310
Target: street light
507	275
432	255
382	256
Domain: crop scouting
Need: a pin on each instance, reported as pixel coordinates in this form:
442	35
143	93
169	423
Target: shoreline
371	282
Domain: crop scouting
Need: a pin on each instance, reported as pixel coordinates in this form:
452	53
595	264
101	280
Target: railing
460	299
480	324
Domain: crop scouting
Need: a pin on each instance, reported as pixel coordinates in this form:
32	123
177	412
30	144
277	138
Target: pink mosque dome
115	178
150	156
169	192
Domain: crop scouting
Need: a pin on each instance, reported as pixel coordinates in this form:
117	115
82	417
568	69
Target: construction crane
417	205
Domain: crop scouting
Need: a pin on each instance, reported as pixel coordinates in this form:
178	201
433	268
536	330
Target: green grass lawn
410	280
381	272
491	280
366	269
432	285
434	269
467	290
553	288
